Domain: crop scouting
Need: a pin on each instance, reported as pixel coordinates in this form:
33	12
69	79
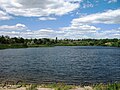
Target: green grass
114	86
5	46
62	86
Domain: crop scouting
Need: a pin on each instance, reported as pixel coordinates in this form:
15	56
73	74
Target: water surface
68	64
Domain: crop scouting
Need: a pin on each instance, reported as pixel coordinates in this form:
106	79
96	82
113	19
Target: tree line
13	42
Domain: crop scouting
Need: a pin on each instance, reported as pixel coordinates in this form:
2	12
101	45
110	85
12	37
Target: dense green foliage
7	42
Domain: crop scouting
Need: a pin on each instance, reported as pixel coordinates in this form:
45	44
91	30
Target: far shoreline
40	46
19	42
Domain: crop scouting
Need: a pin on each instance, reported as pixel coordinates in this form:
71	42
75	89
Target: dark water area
67	64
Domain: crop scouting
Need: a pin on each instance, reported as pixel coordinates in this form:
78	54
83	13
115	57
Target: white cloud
81	28
14	27
74	1
73	32
21	30
99	34
30	8
114	33
42	33
88	4
112	1
108	17
49	33
4	16
79	31
46	18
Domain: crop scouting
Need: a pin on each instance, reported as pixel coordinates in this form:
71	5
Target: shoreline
38	46
61	86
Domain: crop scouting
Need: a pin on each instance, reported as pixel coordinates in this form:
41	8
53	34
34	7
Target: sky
65	19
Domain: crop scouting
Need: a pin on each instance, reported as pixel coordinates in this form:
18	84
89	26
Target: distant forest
19	42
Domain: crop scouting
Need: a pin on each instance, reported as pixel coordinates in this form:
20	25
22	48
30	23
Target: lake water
68	64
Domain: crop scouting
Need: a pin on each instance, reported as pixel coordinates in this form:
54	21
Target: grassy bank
114	86
61	86
5	46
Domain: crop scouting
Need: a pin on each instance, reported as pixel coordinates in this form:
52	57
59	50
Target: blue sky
60	18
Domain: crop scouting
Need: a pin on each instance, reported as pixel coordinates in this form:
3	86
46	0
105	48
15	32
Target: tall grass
114	86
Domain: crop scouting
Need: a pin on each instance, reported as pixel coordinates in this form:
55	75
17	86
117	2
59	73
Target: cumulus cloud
42	33
14	27
37	8
99	34
74	1
112	1
46	18
63	34
108	17
21	30
79	31
4	16
84	31
81	27
114	33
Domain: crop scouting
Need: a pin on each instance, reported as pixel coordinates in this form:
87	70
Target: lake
68	64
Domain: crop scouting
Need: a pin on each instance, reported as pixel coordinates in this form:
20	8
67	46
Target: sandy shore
39	88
